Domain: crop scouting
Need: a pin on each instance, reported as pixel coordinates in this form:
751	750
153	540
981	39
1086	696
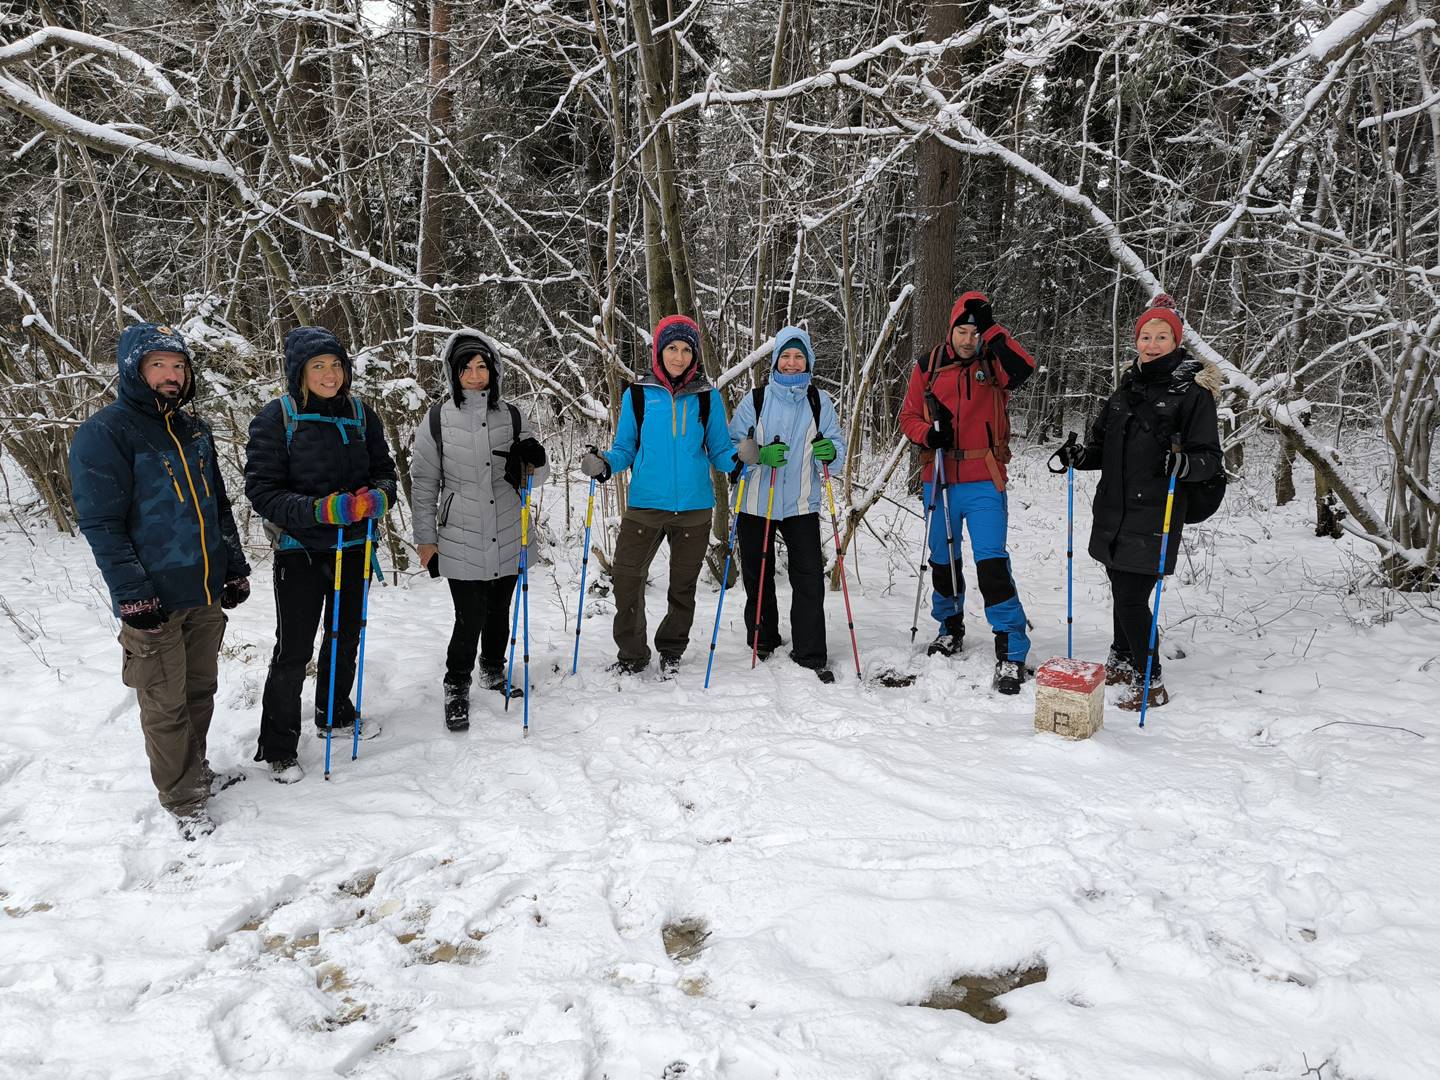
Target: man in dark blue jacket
151	501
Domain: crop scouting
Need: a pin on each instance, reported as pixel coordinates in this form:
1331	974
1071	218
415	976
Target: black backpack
436	426
1202	497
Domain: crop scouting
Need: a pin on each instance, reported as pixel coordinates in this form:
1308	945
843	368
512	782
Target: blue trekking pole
364	619
522	590
334	644
584	565
1160	583
725	576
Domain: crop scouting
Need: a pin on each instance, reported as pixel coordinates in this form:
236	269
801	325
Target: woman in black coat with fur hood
1160	419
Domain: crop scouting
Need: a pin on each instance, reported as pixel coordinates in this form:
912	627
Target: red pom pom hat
1162	308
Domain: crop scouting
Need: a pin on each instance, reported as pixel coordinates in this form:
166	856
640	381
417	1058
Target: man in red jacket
955	407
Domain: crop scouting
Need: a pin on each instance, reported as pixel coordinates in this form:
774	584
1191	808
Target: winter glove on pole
772	455
978	307
234	593
337	508
147	615
748	450
532	453
822	450
1068	456
1177	463
594	464
941	435
370	503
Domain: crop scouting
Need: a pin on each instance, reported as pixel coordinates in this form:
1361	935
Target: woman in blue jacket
670	432
788	433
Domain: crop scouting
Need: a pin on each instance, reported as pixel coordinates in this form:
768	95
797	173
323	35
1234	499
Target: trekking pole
1160	582
584	566
525	602
517	599
334	644
949	528
725	576
840	565
924	562
364	619
764	558
1069	469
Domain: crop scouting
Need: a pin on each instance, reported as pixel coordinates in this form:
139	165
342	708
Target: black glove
235	592
1071	454
594	465
984	315
147	615
941	435
1177	464
513	466
532	453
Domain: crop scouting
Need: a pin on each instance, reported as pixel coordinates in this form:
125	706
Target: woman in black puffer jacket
316	465
1167	398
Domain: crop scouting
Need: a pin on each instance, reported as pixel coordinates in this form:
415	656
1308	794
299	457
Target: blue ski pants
982	510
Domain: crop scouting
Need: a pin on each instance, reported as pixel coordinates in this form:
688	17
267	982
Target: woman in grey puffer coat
466	503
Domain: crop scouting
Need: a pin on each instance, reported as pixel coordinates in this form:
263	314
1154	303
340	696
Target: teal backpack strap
292	417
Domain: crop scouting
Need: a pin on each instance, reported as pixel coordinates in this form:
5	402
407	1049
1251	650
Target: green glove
773	455
823	450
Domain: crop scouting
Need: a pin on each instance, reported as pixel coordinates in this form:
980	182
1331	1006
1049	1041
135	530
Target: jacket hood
302	345
789	336
130	351
456	354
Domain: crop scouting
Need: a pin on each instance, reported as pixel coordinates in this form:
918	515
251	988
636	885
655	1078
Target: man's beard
170	391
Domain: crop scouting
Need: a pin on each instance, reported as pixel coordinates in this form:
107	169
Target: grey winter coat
472	514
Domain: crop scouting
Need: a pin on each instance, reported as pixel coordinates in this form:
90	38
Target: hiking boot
951	638
492	677
195	824
825	675
1158	694
1119	668
287	771
628	667
218	782
1009	674
457	707
669	663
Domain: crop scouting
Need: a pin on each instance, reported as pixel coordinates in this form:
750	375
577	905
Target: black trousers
801	536
482	621
304	596
1133	594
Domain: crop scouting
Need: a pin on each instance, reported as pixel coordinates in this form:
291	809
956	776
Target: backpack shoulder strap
514	422
637	405
757	402
435	434
813	393
705	411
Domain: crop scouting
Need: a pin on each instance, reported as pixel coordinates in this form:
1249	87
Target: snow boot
669	664
457	706
824	674
218	782
951	638
287	771
1009	674
492	677
1119	668
628	667
195	824
1158	694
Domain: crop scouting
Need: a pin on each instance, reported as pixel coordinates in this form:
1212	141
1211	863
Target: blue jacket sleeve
626	444
718	447
267	473
830	429
102	484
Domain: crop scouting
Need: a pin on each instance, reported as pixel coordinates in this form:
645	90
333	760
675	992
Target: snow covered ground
1238	891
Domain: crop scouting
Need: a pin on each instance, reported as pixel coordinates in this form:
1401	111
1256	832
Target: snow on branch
30	46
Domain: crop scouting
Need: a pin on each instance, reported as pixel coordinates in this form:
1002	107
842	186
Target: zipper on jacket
203	478
200	517
173	482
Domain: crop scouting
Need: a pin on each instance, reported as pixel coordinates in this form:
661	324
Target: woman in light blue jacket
788	433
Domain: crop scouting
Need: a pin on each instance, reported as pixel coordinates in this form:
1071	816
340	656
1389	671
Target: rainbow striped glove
370	503
336	509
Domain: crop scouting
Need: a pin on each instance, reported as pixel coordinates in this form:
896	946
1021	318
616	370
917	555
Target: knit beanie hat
674	328
1162	308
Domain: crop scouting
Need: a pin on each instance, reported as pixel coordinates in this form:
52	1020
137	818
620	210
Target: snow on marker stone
1070	697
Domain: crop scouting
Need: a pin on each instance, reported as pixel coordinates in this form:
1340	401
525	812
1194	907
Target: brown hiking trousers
641	531
174	672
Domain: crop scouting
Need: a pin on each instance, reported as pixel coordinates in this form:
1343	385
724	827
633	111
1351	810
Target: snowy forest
896	872
564	174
